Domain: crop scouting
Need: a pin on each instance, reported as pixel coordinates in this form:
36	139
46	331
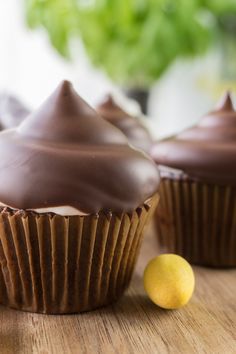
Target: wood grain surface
134	325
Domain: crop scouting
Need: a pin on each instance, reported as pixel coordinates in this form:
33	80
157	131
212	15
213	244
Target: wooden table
134	325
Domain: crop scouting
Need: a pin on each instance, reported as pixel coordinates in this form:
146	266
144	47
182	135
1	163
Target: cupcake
74	198
132	127
196	217
12	111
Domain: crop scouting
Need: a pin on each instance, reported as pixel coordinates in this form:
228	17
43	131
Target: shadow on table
134	303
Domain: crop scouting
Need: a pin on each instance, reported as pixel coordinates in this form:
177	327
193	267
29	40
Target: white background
31	69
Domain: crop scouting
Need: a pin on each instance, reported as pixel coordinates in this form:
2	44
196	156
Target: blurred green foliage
133	41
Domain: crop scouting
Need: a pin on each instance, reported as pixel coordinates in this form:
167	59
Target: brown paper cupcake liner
198	221
56	264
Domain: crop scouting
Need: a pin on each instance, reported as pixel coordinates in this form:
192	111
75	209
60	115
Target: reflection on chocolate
12	111
135	131
66	154
206	151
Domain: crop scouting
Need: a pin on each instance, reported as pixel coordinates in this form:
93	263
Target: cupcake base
197	221
54	264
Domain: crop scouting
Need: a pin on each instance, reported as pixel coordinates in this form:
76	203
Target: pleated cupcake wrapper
198	221
57	264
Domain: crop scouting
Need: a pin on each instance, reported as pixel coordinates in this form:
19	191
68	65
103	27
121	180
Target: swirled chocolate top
134	130
206	151
66	154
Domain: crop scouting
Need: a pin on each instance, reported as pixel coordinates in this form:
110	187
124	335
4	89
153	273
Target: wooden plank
134	325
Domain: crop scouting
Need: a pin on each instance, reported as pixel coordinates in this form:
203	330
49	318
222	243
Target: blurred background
175	57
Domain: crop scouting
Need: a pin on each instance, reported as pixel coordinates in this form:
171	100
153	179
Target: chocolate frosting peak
226	103
207	150
109	103
65	154
66	117
110	110
134	130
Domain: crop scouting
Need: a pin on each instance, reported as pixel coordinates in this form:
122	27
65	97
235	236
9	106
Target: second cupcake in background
196	217
75	197
133	128
12	111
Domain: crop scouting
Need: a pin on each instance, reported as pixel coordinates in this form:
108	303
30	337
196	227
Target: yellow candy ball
169	281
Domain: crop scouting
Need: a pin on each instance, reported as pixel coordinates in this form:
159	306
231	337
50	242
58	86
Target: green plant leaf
133	41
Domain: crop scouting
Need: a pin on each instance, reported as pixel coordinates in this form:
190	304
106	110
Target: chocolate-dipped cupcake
132	127
12	111
196	217
75	198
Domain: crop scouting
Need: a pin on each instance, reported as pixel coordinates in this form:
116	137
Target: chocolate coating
12	111
134	130
66	154
206	151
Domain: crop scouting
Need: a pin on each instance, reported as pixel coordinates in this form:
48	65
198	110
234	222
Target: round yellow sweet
169	281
